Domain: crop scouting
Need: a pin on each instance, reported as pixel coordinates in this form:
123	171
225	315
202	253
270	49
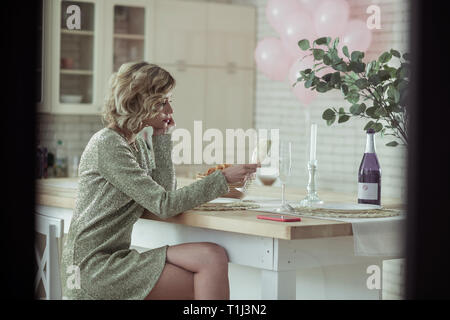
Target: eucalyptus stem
382	103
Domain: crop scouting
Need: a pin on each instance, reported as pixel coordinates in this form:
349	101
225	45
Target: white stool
48	265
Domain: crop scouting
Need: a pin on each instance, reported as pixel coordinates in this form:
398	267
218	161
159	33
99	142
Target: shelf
77	32
129	36
77	72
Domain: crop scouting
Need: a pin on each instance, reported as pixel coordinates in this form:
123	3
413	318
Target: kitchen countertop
62	192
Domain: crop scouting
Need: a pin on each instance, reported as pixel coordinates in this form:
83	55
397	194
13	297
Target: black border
428	223
18	69
428	236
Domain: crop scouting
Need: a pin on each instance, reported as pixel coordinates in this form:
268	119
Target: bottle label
368	191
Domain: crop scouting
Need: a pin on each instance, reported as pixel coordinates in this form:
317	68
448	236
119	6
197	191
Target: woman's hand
240	172
165	129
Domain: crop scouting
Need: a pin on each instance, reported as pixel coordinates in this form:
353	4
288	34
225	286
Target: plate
348	206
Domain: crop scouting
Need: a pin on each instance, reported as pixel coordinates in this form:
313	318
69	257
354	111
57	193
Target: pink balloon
305	63
356	36
305	95
331	18
276	11
310	5
299	65
271	59
297	26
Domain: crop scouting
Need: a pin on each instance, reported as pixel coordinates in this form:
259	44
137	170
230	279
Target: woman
119	179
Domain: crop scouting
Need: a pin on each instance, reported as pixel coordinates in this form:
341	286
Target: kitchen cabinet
39	57
212	34
229	103
74	69
79	62
231	36
208	47
189	95
180	36
219	98
129	30
230	95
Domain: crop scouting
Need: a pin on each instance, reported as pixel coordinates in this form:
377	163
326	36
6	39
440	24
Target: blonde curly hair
136	92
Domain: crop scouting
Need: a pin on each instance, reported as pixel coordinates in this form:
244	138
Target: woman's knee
198	256
216	254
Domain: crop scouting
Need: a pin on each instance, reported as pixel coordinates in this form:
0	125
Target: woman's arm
164	173
119	167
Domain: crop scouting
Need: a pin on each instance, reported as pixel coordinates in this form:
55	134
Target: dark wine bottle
369	175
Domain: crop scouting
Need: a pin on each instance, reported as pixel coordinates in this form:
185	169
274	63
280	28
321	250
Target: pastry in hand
218	167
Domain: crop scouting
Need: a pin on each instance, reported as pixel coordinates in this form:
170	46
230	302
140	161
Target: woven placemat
337	213
236	205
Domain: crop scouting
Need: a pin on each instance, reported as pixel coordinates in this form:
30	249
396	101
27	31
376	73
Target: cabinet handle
181	65
231	67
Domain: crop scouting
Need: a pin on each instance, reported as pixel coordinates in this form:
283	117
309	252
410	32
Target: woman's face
164	118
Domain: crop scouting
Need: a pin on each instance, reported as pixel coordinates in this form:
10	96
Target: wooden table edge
201	219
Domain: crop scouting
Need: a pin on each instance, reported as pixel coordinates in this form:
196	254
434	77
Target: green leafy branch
377	92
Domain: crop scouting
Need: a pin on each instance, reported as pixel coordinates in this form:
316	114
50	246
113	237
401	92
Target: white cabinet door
189	96
231	37
229	98
77	74
229	102
180	32
47	61
128	34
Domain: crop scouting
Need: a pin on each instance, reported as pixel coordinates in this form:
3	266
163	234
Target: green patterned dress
116	184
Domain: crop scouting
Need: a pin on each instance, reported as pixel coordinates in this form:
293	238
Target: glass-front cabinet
76	44
89	40
77	52
128	34
39	56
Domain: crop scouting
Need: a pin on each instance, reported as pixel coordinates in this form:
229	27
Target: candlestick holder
312	197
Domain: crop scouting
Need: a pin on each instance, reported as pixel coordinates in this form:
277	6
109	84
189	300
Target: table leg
278	285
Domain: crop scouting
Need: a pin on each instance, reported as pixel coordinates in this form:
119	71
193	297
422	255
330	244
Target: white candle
312	150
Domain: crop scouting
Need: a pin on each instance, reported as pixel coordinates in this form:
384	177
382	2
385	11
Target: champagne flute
265	174
262	150
284	172
259	154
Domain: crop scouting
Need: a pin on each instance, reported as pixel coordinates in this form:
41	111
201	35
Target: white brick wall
340	147
74	131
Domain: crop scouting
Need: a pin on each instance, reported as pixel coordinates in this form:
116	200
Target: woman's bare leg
208	262
174	283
